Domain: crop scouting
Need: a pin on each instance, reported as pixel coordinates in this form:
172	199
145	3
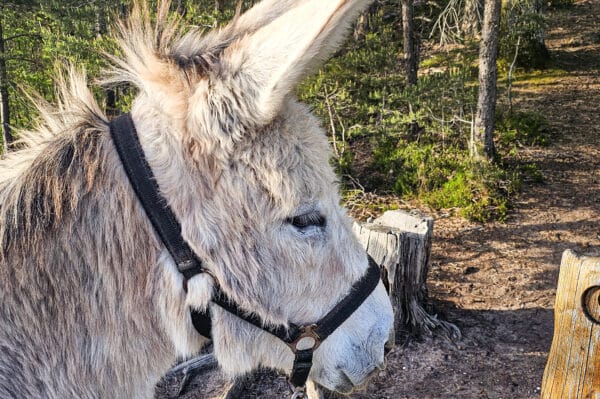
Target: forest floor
497	281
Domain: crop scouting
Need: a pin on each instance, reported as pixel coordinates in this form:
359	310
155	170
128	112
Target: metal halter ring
308	339
585	298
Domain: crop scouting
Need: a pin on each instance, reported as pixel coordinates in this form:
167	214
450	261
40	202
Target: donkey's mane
60	161
56	166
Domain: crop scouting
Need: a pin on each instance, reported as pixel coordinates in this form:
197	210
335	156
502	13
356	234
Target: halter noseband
302	340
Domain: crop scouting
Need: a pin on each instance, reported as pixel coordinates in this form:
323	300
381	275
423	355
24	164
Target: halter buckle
308	339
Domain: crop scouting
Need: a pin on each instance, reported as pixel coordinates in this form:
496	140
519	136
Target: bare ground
497	281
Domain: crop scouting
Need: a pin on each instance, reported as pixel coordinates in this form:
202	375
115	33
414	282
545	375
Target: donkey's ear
267	63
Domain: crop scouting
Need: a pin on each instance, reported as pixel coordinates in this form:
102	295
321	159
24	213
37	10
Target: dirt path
497	281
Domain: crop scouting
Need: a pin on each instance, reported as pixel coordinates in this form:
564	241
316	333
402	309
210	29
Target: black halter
302	340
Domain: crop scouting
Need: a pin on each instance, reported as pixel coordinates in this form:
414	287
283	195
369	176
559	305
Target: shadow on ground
486	363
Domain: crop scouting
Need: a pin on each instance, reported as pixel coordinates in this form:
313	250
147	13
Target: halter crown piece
302	340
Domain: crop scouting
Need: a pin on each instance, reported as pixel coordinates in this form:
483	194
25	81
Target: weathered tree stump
573	367
401	243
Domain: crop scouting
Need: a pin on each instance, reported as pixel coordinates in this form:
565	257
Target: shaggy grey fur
91	305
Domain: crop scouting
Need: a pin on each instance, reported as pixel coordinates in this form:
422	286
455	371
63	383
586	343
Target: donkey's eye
307	220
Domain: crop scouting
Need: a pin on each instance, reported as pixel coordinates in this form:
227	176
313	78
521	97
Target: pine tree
482	145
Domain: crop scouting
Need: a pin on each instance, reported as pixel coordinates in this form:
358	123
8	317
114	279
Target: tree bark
111	101
482	143
361	26
101	29
5	108
411	57
181	8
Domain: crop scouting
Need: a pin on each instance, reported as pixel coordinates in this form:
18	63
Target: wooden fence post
573	367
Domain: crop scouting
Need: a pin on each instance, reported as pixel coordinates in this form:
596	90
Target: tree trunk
361	26
218	5
181	8
411	57
482	144
5	109
111	101
100	28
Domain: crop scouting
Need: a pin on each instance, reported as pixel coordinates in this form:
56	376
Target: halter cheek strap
146	189
164	222
302	340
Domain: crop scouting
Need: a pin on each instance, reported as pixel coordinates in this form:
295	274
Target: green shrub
522	129
446	178
531	173
363	93
522	23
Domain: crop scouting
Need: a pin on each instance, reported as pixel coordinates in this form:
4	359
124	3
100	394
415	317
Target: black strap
124	135
301	368
359	292
280	331
202	322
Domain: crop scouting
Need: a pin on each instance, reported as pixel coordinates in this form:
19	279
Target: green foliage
47	33
521	23
447	178
44	33
361	84
522	129
530	173
363	93
435	165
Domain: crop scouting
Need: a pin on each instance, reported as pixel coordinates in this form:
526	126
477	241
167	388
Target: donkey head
245	167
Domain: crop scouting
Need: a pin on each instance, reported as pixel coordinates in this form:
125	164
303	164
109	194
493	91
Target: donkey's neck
75	240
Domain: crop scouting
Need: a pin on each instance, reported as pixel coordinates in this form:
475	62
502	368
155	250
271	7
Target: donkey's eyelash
307	220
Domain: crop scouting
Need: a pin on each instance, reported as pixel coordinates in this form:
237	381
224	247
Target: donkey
92	304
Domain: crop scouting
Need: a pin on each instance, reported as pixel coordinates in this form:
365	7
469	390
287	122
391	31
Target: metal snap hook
299	393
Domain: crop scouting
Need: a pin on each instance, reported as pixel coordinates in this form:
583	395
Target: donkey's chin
341	383
344	385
